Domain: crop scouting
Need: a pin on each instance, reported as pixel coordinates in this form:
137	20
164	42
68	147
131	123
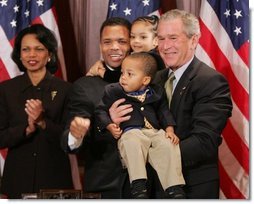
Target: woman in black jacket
32	108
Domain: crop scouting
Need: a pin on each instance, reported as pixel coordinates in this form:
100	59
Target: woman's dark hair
46	37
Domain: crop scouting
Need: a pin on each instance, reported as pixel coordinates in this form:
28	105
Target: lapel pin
53	94
182	90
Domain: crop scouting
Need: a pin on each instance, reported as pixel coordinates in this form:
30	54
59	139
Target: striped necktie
169	87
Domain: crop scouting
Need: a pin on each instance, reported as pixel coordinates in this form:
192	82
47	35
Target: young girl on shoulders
143	39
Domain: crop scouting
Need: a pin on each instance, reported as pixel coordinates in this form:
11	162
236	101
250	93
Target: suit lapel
182	85
161	77
178	93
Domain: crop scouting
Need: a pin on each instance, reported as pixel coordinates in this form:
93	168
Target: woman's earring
49	59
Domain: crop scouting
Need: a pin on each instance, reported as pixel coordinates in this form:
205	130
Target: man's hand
79	127
97	70
118	112
114	130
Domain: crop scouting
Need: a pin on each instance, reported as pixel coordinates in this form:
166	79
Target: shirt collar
179	72
140	92
111	69
27	82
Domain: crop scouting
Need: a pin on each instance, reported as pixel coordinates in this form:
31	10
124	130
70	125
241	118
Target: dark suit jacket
160	64
154	108
102	163
37	161
201	105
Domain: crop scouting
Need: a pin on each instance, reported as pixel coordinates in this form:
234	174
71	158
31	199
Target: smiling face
114	45
175	47
142	37
34	55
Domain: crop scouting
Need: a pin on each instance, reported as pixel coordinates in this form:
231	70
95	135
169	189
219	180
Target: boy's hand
171	135
115	130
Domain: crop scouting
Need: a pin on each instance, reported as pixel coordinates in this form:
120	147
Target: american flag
131	9
224	45
14	16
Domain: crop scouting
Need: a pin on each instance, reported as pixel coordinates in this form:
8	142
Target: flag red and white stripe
218	51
